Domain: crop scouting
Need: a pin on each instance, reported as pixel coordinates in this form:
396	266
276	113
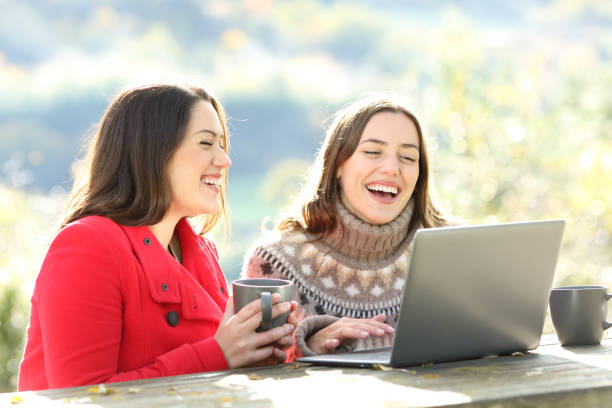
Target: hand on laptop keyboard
326	340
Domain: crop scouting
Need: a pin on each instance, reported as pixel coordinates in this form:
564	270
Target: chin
203	211
381	221
209	211
376	220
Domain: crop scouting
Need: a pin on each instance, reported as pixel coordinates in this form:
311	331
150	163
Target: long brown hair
317	214
123	176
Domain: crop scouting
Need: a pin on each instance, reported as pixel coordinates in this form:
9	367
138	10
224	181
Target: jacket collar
168	280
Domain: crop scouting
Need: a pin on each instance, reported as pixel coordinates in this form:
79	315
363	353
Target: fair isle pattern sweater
359	273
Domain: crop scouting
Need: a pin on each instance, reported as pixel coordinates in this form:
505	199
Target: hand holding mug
237	336
257	325
247	290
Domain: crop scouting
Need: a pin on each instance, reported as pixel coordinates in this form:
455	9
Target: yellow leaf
101	389
381	367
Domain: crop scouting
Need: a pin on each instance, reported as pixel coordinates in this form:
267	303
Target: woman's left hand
278	355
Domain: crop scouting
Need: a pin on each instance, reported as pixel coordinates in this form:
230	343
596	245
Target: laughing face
195	170
378	179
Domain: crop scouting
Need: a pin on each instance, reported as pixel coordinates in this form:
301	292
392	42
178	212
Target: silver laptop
470	292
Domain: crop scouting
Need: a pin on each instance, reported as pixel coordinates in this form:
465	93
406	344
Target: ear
339	173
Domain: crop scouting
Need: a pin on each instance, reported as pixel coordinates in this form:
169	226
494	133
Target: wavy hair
124	174
314	211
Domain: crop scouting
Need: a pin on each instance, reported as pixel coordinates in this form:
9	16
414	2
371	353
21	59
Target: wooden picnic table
549	376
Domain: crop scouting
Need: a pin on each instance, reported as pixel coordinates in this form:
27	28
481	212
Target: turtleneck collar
362	241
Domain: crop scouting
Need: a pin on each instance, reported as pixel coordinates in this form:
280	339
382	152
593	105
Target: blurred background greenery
514	97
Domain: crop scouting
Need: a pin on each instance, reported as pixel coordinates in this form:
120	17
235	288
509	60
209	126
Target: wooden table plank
548	376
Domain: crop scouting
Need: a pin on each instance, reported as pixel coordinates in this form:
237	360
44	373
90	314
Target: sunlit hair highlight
124	174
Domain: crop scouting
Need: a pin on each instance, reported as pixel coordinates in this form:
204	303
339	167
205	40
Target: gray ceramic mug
247	290
579	314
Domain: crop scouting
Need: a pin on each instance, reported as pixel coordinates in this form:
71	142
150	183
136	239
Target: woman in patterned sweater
346	245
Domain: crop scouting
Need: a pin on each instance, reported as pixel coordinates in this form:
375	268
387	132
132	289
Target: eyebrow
212	132
380	142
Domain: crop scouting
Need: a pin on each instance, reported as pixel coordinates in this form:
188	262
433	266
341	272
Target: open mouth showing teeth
211	181
383	191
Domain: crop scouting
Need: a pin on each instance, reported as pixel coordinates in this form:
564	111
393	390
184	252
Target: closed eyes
208	144
376	153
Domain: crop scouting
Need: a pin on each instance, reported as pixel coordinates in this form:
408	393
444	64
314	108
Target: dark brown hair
123	177
316	201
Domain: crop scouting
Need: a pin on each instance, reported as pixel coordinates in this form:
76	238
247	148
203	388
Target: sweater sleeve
79	301
312	324
257	266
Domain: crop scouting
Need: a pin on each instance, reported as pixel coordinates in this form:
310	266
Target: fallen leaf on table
16	399
172	388
381	367
101	389
134	390
431	376
254	377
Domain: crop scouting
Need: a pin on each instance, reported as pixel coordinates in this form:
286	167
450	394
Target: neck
362	241
164	229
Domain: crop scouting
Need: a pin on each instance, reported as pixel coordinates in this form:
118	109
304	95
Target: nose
390	166
221	159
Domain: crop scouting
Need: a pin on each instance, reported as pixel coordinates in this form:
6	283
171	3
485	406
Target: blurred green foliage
514	99
26	224
11	335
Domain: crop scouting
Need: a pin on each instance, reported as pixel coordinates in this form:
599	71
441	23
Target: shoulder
91	227
91	239
451	221
83	251
276	240
272	250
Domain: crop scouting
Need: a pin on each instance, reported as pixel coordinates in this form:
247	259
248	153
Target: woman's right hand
326	340
237	338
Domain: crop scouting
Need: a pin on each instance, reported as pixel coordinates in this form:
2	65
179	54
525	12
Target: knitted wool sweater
358	272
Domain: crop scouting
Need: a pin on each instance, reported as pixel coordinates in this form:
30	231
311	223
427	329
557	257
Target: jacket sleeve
80	306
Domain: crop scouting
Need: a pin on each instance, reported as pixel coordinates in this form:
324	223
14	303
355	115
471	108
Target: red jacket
110	304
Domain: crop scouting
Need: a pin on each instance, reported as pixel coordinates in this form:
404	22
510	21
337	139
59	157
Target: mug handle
266	311
607	325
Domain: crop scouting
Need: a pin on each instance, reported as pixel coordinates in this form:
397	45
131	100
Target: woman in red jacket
128	290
